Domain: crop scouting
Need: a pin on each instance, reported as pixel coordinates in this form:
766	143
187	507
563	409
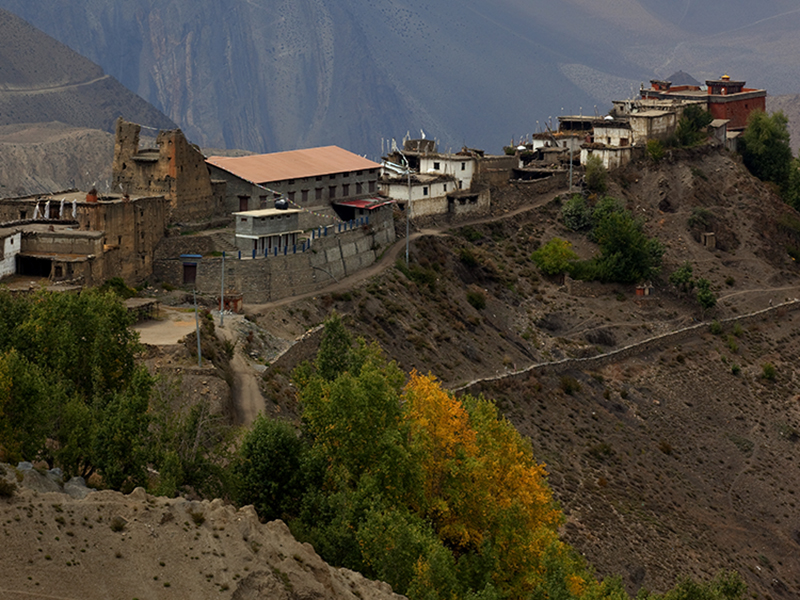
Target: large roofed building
725	98
315	179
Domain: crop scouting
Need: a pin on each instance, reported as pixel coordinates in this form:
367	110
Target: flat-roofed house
267	229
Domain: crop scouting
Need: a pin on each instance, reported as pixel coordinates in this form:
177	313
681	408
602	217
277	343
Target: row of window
335	175
332	191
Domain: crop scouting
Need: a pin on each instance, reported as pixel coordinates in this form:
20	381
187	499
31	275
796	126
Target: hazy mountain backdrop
270	75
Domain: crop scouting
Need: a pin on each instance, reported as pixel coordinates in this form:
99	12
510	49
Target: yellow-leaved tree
483	490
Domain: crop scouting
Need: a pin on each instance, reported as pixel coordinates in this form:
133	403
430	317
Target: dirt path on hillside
390	255
247	397
50	89
173	325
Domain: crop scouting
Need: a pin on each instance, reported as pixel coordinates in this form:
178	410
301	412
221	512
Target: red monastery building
725	98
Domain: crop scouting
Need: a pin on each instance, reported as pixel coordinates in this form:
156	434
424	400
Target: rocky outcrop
110	545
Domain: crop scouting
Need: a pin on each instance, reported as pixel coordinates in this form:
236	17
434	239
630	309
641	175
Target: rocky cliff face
277	75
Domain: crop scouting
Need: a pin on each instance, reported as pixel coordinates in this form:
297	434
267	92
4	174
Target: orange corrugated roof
294	164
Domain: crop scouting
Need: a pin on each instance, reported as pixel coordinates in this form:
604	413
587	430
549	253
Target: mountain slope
266	76
41	80
667	460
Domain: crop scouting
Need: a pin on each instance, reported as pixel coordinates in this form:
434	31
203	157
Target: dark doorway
189	273
35	267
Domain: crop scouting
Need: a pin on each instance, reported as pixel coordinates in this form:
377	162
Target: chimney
92	195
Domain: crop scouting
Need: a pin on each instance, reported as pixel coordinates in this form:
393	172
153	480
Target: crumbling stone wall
176	170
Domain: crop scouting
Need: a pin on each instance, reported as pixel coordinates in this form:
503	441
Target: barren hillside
669	461
69	543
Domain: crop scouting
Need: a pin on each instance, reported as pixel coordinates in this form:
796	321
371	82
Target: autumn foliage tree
401	480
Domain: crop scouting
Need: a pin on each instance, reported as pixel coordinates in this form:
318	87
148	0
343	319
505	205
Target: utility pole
222	294
408	206
197	329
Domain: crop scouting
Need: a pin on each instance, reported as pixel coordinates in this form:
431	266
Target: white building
11	245
267	229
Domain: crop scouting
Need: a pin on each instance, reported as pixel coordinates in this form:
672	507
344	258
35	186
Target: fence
318	233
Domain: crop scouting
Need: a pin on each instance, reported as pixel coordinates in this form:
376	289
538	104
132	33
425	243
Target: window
444	187
359	188
345	189
318	194
291	182
304	193
333	176
23	214
332	192
291	196
319	177
425	190
358	173
463	166
243	220
435	166
371	187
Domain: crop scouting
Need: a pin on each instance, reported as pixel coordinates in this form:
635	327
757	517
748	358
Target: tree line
388	473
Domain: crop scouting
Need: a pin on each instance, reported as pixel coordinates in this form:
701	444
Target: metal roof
267	212
294	164
368	203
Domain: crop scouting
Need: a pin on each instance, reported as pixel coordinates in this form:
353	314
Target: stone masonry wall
265	279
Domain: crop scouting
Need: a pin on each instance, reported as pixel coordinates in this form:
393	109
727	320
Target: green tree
120	447
576	213
705	296
627	254
334	350
655	150
682	278
765	148
596	175
692	125
555	257
269	469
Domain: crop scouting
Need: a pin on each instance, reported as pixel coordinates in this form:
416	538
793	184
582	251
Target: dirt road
247	396
390	255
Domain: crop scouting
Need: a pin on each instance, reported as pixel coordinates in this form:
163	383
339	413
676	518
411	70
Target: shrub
736	369
596	175
576	213
476	299
118	524
655	150
468	257
715	327
556	256
769	372
197	517
570	385
7	488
